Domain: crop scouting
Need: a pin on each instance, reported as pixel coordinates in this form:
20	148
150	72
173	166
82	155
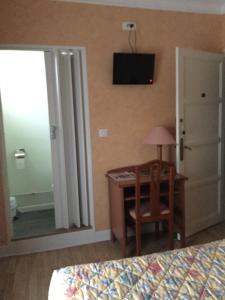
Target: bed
196	272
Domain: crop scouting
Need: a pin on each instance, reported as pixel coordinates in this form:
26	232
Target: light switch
103	132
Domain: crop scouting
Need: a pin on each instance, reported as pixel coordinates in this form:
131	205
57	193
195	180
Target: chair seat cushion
145	210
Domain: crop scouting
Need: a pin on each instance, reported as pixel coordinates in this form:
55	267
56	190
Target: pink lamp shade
159	136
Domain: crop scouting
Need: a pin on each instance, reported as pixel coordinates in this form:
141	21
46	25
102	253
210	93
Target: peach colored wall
127	111
223	33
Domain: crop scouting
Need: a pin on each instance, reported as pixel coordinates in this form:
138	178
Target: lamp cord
132	45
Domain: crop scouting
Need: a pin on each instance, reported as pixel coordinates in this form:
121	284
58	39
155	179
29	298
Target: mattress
196	272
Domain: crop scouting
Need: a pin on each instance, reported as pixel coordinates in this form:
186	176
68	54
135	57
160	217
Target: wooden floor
27	277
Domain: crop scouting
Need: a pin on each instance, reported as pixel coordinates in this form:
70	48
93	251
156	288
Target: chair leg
138	239
170	234
157	230
112	237
126	231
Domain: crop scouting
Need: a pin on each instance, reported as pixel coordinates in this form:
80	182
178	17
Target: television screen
133	68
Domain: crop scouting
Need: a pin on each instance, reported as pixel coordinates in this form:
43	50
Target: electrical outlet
103	132
129	25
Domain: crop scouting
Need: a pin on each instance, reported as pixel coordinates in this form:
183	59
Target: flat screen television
133	68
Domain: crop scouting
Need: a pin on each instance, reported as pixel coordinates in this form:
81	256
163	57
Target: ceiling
199	6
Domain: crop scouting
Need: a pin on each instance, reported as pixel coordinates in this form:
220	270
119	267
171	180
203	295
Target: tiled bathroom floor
34	223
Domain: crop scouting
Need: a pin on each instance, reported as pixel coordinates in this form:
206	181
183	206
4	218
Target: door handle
187	147
181	149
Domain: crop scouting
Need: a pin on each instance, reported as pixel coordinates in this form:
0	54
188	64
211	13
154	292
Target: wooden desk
119	193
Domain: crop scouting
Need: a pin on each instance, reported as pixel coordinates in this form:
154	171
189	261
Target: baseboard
53	242
36	207
60	241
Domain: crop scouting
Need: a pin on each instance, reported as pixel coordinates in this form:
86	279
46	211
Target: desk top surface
124	179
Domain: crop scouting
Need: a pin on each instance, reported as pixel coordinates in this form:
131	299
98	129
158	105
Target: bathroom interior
25	115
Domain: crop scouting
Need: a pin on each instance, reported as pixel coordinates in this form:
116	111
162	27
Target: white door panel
200	128
202	195
200	135
195	83
202	209
204	158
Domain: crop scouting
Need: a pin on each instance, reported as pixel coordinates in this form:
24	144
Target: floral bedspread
196	272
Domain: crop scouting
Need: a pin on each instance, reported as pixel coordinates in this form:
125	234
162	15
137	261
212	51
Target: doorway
27	142
47	141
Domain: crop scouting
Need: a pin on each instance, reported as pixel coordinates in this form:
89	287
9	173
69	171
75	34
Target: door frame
5	186
52	118
179	53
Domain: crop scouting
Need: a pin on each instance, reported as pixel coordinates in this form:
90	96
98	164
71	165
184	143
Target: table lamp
159	136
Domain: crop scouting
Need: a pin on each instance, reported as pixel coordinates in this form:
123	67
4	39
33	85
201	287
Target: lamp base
159	152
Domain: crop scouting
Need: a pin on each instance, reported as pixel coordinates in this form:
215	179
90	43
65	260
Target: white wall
26	121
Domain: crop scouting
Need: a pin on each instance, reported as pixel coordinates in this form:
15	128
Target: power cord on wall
132	44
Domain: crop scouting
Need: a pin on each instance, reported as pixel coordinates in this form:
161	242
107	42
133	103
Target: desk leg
180	203
179	211
117	214
183	240
183	231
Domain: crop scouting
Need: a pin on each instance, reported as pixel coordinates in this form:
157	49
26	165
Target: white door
200	135
68	102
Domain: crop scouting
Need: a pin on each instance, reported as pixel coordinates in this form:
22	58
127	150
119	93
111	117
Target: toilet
13	207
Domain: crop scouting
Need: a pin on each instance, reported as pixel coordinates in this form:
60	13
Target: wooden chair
153	209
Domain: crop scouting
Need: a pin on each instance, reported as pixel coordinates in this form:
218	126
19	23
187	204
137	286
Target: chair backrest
161	183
